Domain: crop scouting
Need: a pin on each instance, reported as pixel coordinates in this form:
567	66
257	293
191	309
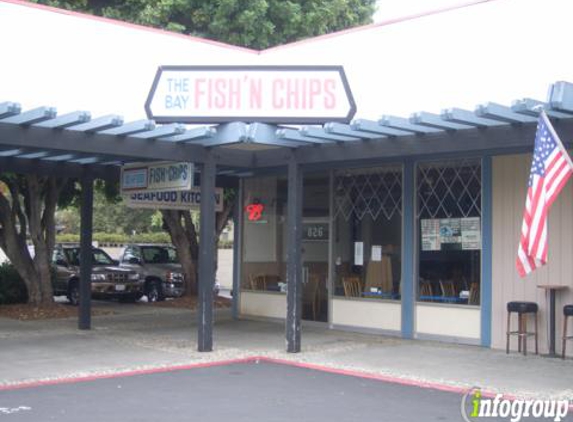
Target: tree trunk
36	217
180	226
184	238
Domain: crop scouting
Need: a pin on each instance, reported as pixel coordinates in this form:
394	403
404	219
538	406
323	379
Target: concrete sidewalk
140	337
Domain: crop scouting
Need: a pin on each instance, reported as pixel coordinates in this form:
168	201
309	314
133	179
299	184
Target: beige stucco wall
510	175
372	314
263	304
461	322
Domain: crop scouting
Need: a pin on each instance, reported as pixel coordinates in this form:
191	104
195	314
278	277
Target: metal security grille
449	189
377	193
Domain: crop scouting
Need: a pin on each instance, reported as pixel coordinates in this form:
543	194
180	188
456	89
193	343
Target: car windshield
99	257
159	255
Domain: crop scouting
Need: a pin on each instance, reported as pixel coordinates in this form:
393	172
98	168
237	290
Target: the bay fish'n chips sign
268	94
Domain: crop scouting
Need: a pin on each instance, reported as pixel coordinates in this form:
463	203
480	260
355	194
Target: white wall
448	321
371	314
263	304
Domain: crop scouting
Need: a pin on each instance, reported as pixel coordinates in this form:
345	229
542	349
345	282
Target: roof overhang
40	141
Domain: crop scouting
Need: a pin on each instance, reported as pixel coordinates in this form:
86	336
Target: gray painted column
237	249
207	253
294	258
87	199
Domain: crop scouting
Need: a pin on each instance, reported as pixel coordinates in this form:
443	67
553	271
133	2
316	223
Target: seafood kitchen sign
268	94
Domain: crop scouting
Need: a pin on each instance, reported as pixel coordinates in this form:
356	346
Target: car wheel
153	292
74	294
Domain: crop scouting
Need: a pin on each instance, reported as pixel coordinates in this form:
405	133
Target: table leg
552	322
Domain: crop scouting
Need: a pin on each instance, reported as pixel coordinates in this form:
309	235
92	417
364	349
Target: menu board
451	234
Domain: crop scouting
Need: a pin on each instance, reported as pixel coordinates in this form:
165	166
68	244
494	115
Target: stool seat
522	307
523	311
568	310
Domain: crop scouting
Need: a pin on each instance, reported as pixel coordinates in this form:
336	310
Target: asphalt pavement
142	361
240	392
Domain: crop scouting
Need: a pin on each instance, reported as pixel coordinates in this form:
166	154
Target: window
449	227
159	255
367	219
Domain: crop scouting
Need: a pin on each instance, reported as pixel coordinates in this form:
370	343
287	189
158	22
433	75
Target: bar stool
522	309
567	312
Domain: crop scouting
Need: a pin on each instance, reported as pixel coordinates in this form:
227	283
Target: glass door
315	247
315	270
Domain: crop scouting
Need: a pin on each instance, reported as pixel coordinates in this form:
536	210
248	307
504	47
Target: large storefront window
263	267
449	227
265	240
367	218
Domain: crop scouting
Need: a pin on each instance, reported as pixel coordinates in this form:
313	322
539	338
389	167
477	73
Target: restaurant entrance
315	241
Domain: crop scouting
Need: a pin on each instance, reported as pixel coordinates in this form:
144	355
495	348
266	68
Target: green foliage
122	239
257	24
12	287
117	238
64	4
110	215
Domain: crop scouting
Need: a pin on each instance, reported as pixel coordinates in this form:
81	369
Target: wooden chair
258	282
426	289
448	289
352	286
474	294
310	294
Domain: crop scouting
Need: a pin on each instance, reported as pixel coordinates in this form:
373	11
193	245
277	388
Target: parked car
159	268
108	280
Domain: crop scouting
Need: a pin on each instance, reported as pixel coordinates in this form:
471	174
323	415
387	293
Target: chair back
448	289
474	294
258	282
426	288
352	286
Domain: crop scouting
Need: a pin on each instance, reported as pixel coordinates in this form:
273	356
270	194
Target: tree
27	208
257	24
182	228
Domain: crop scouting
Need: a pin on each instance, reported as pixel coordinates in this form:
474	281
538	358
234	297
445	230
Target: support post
294	258
207	253
486	293
87	199
409	255
237	250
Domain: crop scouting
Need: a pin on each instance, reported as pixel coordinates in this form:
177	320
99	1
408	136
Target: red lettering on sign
256	92
254	211
329	96
199	91
278	87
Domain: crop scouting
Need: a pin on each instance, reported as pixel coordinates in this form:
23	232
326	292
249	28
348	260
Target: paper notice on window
376	254
430	229
471	233
358	253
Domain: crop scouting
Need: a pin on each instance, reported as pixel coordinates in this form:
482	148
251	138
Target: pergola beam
81	142
55	168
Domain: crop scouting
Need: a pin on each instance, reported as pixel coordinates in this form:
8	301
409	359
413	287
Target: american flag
550	169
